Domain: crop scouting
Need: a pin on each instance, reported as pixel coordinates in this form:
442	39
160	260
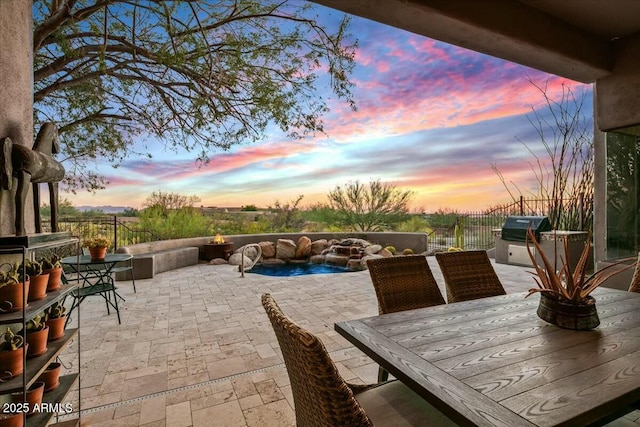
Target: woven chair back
403	283
321	396
469	275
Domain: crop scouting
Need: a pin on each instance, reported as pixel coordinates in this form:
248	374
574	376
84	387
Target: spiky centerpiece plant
566	299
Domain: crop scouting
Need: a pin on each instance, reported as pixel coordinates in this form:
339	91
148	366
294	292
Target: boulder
218	261
385	253
368	257
268	249
318	246
236	258
285	249
317	259
303	248
372	249
339	260
251	251
356	265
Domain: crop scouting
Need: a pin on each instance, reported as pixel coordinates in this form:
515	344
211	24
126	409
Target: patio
195	347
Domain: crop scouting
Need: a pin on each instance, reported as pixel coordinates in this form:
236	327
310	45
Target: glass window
623	193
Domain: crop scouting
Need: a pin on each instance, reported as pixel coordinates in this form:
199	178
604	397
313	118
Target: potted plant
565	294
52	266
12	419
36	335
38	280
12	349
97	247
33	397
13	288
55	319
51	376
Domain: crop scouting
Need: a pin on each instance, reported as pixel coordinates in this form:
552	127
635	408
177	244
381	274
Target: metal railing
121	231
479	228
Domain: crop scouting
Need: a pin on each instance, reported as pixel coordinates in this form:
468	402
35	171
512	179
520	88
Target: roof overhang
576	39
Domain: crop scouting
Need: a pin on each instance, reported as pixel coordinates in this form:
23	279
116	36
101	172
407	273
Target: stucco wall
415	241
16	94
618	95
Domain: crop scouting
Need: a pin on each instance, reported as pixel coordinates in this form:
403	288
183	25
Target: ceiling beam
506	29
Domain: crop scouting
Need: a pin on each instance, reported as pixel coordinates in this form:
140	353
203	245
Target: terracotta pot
98	253
581	317
33	398
51	376
38	287
56	327
12	362
12	420
13	294
55	278
37	342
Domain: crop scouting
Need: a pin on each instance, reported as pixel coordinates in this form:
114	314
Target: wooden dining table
494	362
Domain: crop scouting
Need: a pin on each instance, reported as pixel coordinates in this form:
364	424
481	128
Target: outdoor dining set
482	357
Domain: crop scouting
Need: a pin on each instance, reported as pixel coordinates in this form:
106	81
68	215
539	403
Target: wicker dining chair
322	397
469	275
635	280
403	283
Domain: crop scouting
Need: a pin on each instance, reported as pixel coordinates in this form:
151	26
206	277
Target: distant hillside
106	209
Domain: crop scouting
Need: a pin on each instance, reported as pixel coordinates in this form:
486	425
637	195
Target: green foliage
50	262
175	224
65	208
376	206
11	341
92	213
198	75
55	311
164	203
130	212
415	224
443	218
9	274
285	217
459	236
31	268
249	208
391	249
35	324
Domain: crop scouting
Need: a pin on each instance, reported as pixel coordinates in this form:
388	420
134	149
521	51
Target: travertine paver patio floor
195	347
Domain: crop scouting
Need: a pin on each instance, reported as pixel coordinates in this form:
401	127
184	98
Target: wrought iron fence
478	228
120	230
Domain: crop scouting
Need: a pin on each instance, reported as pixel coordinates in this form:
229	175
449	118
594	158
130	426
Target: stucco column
16	94
618	95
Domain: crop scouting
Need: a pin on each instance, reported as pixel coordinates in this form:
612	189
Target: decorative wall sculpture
32	166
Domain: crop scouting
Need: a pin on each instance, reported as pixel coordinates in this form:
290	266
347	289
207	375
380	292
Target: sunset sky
432	118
